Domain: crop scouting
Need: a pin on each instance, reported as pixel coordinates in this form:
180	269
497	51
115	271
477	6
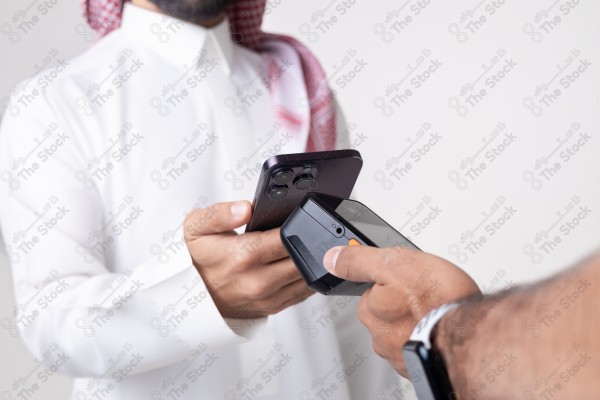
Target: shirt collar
178	41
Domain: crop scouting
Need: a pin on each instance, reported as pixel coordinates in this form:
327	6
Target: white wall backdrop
477	120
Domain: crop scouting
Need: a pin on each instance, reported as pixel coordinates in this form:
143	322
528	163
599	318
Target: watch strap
422	331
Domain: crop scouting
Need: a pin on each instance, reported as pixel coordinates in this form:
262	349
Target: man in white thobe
99	169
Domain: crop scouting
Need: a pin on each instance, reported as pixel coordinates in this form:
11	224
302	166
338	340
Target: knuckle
276	307
188	217
277	251
405	255
188	224
254	289
197	220
243	262
239	258
272	304
209	216
276	278
272	246
363	312
303	291
292	274
289	271
210	281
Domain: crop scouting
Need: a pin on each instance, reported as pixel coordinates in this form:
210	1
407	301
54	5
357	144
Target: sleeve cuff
187	309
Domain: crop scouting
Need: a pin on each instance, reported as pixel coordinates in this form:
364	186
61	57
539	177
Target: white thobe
101	158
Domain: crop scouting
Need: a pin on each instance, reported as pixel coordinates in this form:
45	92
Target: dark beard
193	10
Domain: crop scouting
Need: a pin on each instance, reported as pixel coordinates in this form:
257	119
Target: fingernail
330	258
238	209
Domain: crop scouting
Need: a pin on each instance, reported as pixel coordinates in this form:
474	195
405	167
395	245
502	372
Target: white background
370	34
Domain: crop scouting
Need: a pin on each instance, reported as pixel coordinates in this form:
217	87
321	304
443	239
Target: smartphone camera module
277	192
283	176
305	182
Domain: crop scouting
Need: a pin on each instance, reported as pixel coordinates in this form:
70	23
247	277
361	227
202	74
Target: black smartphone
285	179
322	222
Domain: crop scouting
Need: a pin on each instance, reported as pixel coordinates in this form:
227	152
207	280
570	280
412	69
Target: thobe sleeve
70	303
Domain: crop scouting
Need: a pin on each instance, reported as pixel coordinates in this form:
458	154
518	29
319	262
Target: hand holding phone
248	275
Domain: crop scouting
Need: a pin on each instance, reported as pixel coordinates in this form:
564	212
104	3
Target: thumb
356	263
218	218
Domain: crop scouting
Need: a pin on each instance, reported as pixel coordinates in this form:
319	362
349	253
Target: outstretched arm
535	342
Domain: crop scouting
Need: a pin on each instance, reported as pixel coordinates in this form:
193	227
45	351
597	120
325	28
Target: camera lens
305	182
277	192
283	176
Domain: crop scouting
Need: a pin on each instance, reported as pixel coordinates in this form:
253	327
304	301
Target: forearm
536	342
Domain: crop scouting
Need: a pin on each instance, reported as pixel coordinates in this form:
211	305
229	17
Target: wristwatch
424	363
